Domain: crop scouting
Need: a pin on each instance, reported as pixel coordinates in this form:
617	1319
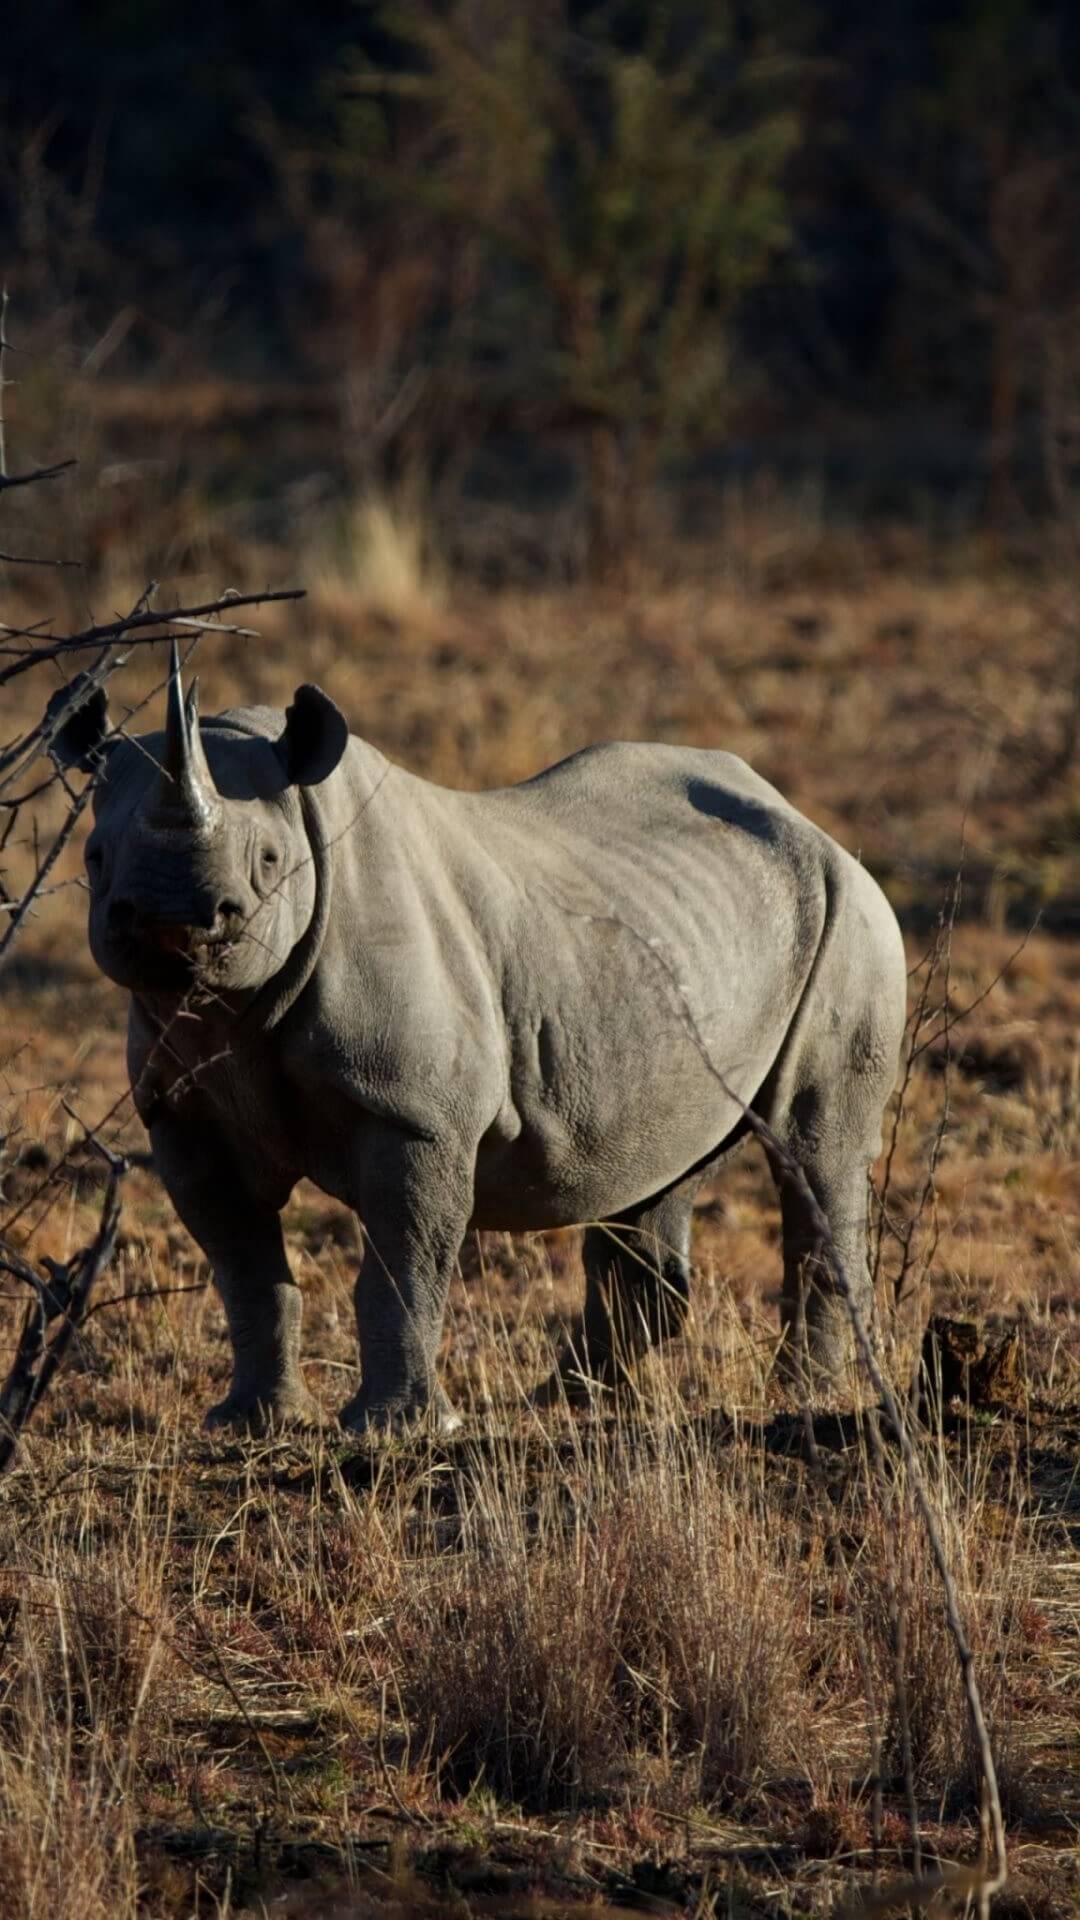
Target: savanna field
686	1654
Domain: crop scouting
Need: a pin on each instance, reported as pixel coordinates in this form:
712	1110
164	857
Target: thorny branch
64	1298
37	884
140	626
61	1292
34	474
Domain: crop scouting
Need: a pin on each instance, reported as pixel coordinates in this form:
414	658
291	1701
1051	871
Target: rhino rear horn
186	791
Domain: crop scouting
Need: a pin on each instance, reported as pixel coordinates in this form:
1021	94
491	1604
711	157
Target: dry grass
911	1649
595	1642
382	554
652	1649
620	1625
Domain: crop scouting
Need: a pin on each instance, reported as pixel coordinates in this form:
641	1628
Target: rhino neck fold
272	1002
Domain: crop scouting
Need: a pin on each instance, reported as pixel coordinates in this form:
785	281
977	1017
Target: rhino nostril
229	910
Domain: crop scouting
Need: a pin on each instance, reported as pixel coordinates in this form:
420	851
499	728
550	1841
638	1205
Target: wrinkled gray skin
493	1010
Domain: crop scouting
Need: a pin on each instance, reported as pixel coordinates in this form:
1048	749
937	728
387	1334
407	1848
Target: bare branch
141	622
33	560
34	474
34	890
64	1297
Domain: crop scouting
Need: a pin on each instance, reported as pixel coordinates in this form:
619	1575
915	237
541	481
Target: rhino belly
614	1102
558	1176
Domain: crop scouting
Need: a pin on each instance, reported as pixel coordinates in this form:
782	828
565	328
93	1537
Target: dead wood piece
958	1362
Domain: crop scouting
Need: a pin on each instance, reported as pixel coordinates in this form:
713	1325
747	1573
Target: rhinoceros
545	1005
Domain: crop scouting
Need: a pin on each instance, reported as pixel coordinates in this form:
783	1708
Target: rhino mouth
166	956
189	943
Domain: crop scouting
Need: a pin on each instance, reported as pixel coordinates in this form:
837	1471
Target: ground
634	1657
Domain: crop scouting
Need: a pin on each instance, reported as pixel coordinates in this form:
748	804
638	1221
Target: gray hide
514	1010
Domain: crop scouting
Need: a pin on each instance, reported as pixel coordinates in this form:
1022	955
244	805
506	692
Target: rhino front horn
186	792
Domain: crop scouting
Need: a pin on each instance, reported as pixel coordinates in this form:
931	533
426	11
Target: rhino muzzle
181	933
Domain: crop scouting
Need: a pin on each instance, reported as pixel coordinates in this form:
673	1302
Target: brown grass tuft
651	1628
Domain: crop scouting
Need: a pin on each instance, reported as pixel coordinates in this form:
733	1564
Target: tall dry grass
925	1724
640	1613
381	550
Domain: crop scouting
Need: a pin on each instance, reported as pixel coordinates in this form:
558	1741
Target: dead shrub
67	1843
655	1627
511	1665
713	1630
87	1657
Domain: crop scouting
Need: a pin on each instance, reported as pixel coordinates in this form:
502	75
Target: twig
31	560
66	1298
44	893
143	1293
74	814
35	473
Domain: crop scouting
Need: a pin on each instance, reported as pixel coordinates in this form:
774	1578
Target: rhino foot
256	1413
814	1373
369	1417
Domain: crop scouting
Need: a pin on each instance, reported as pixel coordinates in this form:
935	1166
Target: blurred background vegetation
555	278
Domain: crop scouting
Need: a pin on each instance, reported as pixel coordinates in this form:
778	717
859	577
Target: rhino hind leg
824	1101
816	1346
637	1291
831	1126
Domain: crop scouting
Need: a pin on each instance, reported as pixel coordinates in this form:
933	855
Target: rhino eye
269	861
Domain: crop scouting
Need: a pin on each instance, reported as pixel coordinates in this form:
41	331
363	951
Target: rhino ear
315	737
83	728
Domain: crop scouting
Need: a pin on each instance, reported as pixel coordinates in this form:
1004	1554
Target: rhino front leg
414	1200
239	1230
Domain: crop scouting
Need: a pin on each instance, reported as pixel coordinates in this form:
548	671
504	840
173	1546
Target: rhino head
200	864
